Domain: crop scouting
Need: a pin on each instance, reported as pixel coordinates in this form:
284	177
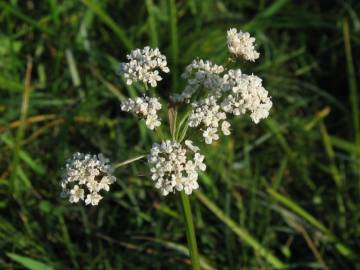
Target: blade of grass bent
241	232
342	248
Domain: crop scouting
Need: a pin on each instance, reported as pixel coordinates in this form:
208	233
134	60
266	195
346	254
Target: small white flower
145	107
76	194
198	159
86	173
93	199
174	167
210	135
152	121
192	147
241	44
144	66
225	128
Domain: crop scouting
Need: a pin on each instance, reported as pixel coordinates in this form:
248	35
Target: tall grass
282	194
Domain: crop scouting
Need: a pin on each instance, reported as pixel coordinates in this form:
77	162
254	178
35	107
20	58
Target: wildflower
199	65
145	107
93	198
192	147
241	45
76	194
200	74
225	128
85	176
175	167
208	113
210	134
144	66
248	95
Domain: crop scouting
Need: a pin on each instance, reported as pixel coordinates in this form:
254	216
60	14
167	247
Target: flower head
174	166
241	44
145	107
208	114
247	95
85	176
144	66
199	74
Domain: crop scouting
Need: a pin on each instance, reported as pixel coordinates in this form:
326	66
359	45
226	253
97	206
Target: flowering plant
212	95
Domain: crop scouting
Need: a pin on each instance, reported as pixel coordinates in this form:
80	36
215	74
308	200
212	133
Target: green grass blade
154	40
21	129
331	154
29	263
119	32
345	145
297	209
73	68
14	10
275	7
354	99
241	232
342	248
174	43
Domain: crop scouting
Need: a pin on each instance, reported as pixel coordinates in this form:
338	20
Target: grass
281	194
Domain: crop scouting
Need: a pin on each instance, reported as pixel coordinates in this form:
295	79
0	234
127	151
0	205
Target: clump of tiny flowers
175	166
224	91
144	66
145	107
246	95
85	176
241	44
200	74
236	94
208	113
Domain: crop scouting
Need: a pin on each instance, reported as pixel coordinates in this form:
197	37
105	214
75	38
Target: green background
288	187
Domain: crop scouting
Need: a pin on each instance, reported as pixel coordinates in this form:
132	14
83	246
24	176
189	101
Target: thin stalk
126	162
190	231
185	203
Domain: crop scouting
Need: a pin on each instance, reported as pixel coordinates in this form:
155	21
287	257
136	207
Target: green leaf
29	263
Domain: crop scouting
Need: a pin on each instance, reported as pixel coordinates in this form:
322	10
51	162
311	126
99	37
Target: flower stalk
190	231
185	205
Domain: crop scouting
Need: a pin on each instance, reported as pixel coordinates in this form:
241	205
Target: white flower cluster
143	66
236	94
85	176
208	113
247	95
241	44
145	107
199	74
175	167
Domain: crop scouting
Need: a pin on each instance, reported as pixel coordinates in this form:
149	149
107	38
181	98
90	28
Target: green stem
190	231
126	162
